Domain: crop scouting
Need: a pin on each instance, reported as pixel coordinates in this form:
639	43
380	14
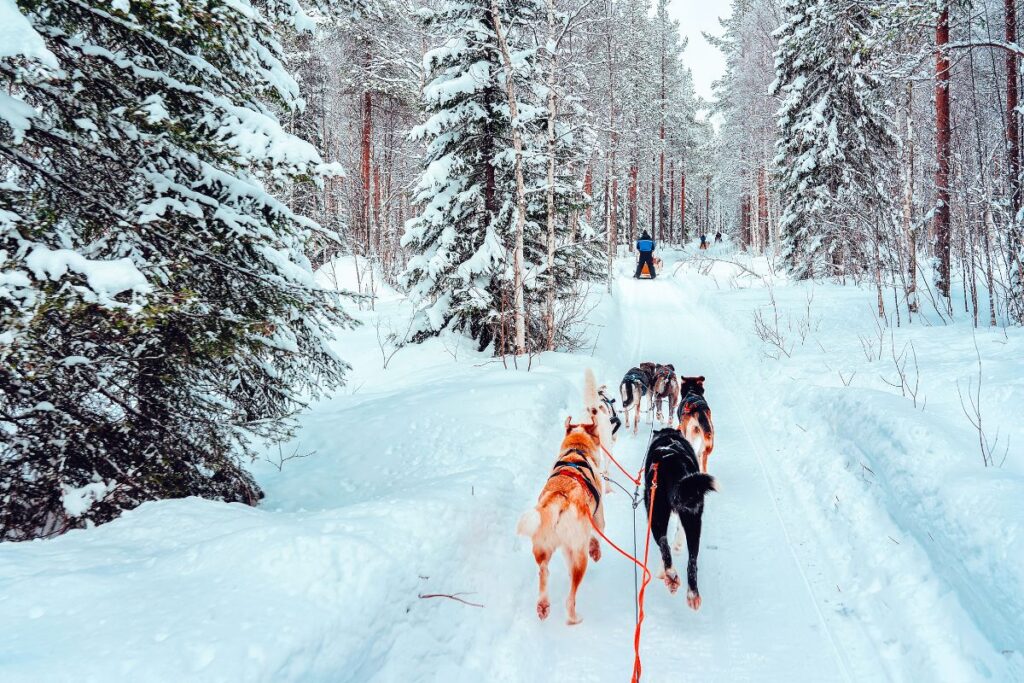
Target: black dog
636	384
681	489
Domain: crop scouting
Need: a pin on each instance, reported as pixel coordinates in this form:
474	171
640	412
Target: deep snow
855	537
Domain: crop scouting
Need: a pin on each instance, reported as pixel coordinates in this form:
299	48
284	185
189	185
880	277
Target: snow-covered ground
856	536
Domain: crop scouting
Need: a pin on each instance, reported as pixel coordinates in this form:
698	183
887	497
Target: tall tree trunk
707	206
942	224
1012	115
364	165
671	200
910	233
588	189
612	218
682	205
762	206
631	197
552	113
518	298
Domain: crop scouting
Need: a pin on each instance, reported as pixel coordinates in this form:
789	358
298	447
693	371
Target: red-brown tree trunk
682	206
941	222
661	184
1012	122
762	205
655	231
671	199
707	205
632	204
588	188
365	165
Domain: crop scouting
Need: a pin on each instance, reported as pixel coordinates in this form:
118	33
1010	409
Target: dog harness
663	371
638	377
574	473
614	419
690	399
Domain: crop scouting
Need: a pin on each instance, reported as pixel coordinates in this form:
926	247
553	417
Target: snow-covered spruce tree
833	135
156	311
460	273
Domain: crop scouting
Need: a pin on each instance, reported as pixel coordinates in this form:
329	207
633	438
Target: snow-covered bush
156	310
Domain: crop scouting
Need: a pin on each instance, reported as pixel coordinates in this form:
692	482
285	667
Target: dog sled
645	271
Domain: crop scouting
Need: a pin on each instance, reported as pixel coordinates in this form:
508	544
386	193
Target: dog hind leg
677	545
577	568
691	524
659	529
543	604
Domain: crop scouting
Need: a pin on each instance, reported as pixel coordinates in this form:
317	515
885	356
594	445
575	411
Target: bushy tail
590	398
626	391
695	486
529	523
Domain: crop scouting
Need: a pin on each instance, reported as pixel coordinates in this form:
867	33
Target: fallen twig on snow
451	596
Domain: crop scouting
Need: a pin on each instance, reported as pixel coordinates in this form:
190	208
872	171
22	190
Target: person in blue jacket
645	245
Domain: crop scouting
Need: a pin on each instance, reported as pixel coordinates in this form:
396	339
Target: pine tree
159	315
833	136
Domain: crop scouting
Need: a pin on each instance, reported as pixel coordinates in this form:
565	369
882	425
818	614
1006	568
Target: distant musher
645	245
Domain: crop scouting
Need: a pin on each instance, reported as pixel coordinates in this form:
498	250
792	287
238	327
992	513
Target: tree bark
910	234
1012	116
518	298
671	200
552	113
942	227
682	205
364	165
632	208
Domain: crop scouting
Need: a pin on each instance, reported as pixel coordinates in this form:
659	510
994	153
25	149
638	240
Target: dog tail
545	515
694	487
626	392
529	523
589	389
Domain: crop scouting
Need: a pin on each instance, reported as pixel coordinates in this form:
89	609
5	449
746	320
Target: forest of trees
879	142
173	173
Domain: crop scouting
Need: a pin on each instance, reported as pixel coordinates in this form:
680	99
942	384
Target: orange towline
635	480
642	565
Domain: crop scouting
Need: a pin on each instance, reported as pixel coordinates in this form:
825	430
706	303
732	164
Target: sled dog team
572	500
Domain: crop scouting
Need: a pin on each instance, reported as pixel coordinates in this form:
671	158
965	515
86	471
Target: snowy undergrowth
400	485
883	459
409	480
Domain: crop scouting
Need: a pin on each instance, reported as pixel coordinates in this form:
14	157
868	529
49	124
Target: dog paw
693	600
573	620
543	609
672	580
595	550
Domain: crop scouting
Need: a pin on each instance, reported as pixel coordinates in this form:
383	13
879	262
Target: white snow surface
856	537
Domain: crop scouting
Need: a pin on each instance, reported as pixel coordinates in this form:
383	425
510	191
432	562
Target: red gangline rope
635	480
642	565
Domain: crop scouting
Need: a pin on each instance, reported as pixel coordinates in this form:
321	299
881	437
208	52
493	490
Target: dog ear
591	429
568	424
700	380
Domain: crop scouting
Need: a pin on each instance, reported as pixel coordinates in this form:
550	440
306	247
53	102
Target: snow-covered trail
416	478
759	618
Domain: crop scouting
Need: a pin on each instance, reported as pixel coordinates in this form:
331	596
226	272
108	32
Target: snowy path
418	476
759	617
